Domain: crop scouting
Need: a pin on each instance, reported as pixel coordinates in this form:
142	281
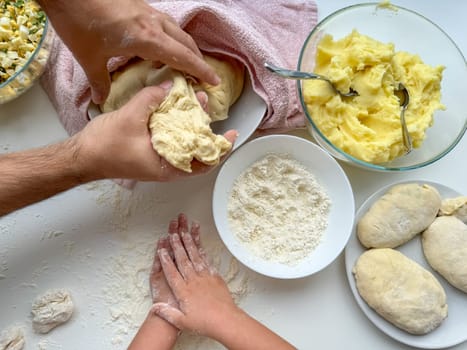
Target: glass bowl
412	33
25	77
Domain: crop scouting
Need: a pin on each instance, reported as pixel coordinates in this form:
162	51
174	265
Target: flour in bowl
278	209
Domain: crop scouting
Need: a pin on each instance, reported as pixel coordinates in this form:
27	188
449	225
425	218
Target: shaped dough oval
400	214
400	290
445	248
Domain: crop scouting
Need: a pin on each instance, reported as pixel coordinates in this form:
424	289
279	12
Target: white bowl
326	171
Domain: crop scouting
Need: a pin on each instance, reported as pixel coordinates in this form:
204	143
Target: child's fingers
193	253
169	313
173	277
196	233
173	226
184	264
182	223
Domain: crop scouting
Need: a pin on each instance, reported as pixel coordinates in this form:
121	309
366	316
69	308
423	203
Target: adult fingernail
96	97
166	85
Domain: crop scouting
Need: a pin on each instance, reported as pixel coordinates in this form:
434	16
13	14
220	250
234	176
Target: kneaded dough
400	214
180	128
445	247
400	290
50	310
223	95
131	79
12	338
456	207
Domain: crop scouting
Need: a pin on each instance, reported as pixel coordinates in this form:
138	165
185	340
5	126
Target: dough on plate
12	338
180	128
400	290
456	207
50	310
445	247
400	214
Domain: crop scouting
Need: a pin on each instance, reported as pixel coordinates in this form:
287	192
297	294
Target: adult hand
118	144
101	29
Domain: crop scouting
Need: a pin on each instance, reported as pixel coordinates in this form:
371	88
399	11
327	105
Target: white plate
245	115
453	330
327	172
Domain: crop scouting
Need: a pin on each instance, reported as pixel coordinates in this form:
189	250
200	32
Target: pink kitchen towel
250	30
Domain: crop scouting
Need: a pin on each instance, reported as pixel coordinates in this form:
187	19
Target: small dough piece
445	248
400	214
222	96
12	338
400	290
50	310
180	129
456	207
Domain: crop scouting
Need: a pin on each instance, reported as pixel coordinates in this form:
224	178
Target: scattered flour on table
126	292
48	344
12	338
127	296
278	209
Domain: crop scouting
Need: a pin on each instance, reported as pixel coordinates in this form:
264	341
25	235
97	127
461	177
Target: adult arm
113	145
96	30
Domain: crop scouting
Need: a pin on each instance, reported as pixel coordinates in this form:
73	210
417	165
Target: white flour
278	209
126	273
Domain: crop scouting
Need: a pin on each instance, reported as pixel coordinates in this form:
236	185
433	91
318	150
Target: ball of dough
400	214
180	128
50	310
445	247
132	78
400	290
223	95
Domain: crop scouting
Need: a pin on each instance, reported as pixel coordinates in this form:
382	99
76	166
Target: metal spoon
403	94
297	75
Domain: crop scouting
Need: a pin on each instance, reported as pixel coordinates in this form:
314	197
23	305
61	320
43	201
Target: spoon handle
292	74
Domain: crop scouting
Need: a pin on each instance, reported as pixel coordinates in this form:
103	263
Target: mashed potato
368	126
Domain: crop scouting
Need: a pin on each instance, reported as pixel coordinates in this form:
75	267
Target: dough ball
132	78
400	290
400	214
180	129
456	207
445	248
12	338
50	310
222	96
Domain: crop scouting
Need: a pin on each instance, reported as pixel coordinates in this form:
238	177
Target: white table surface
69	240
